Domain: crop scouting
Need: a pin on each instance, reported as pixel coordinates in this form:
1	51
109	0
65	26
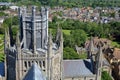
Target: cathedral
34	48
36	56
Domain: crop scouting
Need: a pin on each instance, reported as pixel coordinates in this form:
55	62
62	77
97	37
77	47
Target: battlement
34	11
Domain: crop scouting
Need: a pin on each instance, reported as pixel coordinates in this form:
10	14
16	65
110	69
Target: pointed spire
50	45
5	40
100	56
33	11
8	33
50	54
18	40
99	62
35	73
50	42
91	49
57	34
8	37
61	35
91	45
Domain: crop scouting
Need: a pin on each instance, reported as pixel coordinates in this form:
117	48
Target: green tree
2	56
79	37
4	8
115	30
54	20
69	53
15	20
68	41
3	14
1	30
8	22
105	76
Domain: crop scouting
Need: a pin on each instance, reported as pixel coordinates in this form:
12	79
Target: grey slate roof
2	69
77	68
35	73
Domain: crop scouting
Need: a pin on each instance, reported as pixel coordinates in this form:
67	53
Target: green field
67	32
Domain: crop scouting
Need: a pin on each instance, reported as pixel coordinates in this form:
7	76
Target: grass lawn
67	32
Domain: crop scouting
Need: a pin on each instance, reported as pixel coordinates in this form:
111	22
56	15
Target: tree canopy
79	37
105	76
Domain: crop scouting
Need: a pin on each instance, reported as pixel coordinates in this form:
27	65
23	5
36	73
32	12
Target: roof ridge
76	60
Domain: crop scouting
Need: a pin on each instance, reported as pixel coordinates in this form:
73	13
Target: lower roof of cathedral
77	68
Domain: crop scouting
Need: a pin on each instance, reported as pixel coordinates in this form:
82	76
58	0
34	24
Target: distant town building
14	8
5	4
1	19
115	61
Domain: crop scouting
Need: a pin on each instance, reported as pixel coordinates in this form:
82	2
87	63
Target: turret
91	48
7	39
33	28
59	37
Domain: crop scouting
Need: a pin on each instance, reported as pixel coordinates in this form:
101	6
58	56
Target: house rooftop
116	53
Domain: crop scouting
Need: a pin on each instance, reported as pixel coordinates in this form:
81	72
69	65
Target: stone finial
24	9
19	11
34	8
33	11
